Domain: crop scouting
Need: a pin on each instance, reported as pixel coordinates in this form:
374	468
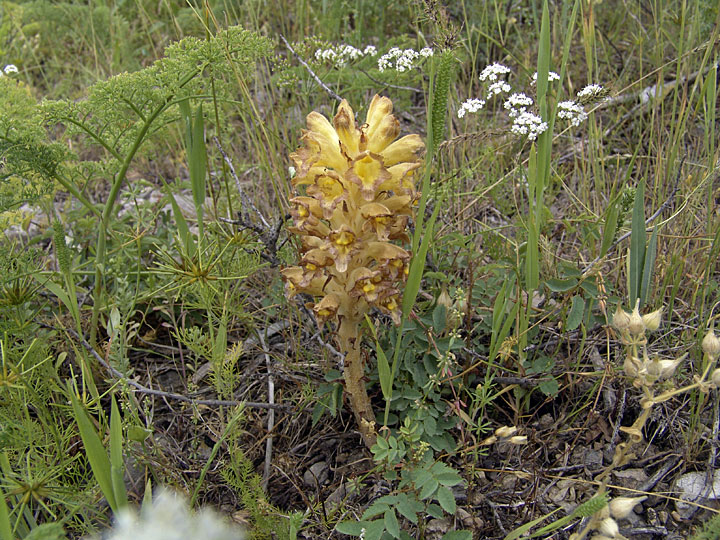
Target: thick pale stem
350	342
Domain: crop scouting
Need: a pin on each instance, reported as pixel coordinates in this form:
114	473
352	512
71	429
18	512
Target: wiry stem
350	341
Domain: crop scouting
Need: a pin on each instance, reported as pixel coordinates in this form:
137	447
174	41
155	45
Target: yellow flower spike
359	194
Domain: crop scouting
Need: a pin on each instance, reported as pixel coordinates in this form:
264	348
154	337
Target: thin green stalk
100	249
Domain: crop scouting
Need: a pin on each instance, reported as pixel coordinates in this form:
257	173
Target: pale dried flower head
652	320
609	527
506	431
711	344
620	507
636	326
621	320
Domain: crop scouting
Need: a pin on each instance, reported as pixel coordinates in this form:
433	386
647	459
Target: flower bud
620	507
636	326
609	527
711	344
715	377
631	367
505	431
652	320
668	367
518	439
620	320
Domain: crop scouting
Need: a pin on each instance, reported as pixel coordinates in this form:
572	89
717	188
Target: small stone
317	474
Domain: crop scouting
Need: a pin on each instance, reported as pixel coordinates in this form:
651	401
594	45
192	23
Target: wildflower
517	104
402	60
621	320
170	517
620	507
636	326
471	105
609	527
496	88
711	344
493	71
359	194
652	320
590	93
340	54
10	68
552	76
529	124
505	431
572	112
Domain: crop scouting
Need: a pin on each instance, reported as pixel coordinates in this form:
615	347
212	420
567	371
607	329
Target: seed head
711	344
609	527
636	326
505	431
620	507
621	320
652	320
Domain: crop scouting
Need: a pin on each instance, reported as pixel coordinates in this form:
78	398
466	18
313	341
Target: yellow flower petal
349	134
379	108
406	149
369	174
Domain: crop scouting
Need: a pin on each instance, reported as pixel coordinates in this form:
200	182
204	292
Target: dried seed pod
609	527
505	431
652	320
621	320
620	507
711	344
636	326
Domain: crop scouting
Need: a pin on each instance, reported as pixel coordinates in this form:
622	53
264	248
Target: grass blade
637	245
117	465
95	452
649	265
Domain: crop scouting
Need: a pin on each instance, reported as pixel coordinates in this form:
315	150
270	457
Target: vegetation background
145	335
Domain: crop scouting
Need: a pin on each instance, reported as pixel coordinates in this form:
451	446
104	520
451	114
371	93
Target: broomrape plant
359	195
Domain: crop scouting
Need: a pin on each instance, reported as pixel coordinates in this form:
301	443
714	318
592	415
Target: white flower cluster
528	124
591	91
340	54
572	112
552	76
402	60
169	518
7	70
517	104
497	88
493	71
471	105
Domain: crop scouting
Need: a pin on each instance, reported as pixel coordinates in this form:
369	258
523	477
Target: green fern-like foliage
266	521
28	160
710	531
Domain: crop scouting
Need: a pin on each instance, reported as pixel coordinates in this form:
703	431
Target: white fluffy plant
169	517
